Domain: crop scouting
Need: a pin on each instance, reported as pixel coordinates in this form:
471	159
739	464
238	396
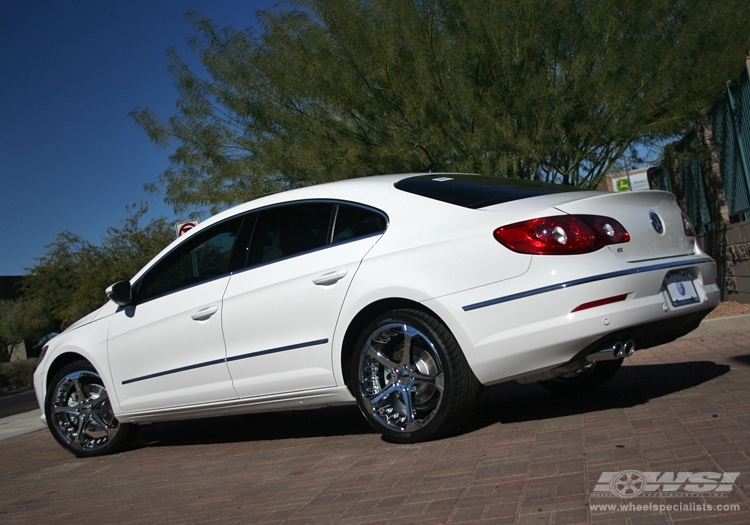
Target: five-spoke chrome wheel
79	412
402	381
412	382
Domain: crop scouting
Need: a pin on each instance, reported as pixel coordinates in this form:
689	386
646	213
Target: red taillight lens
562	235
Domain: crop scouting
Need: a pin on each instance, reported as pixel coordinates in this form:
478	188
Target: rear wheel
80	415
585	378
411	379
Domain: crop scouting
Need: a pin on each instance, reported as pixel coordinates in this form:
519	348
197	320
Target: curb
721	325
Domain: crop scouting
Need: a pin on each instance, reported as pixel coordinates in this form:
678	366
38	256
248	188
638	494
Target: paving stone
533	457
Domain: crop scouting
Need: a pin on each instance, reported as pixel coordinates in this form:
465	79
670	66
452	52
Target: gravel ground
729	309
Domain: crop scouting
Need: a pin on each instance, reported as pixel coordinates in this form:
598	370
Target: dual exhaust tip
616	351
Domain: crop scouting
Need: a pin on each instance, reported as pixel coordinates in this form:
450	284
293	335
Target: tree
555	90
68	282
23	319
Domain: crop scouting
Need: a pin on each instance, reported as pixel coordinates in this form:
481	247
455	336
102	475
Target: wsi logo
632	483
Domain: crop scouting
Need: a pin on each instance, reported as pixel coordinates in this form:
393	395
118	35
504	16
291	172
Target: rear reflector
561	235
600	302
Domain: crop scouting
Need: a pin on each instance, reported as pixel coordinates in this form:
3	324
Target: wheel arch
364	317
60	362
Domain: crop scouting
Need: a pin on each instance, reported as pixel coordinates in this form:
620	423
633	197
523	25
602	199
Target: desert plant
17	374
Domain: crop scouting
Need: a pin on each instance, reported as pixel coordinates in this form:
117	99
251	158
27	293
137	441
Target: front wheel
410	378
80	415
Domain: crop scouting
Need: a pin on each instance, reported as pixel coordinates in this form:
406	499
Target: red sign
183	227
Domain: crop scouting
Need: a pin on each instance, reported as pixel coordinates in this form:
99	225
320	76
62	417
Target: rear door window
292	229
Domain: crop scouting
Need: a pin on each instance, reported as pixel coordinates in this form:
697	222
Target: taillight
562	235
688	226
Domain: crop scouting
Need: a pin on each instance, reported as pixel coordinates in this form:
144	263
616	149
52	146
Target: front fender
88	342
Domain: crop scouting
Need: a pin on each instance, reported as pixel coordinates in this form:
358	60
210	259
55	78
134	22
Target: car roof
461	189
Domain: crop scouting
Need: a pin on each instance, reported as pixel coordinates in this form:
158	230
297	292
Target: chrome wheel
401	378
80	414
410	378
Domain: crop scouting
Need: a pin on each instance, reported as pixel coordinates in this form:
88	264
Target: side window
353	222
288	230
200	258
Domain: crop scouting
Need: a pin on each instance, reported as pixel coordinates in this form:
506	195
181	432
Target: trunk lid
652	218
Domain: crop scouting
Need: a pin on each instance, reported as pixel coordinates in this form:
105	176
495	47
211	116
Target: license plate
681	289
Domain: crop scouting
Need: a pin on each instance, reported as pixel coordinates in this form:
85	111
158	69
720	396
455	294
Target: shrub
17	374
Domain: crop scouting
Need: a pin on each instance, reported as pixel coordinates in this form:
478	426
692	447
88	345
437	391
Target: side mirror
120	293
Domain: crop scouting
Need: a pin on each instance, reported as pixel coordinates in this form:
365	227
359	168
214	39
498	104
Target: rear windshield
476	191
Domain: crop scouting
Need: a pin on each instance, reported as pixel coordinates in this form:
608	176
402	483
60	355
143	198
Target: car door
280	313
167	348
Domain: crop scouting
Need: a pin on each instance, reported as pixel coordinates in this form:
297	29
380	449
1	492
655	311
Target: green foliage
69	280
17	374
23	319
550	89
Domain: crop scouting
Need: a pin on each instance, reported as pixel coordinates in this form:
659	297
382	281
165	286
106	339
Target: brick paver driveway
531	456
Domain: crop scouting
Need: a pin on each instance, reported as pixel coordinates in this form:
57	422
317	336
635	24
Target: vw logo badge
656	223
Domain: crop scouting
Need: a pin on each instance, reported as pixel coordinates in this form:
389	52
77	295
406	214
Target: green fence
730	120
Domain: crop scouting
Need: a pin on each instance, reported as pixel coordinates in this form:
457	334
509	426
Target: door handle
330	277
205	313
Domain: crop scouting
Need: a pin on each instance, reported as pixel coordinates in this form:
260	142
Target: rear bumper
527	325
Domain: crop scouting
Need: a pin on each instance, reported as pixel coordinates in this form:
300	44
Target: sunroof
476	191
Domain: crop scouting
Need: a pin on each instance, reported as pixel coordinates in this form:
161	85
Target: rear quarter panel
430	249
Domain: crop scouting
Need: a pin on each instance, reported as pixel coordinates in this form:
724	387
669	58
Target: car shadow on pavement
632	385
322	422
508	402
742	359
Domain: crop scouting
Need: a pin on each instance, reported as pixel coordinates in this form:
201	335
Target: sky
70	72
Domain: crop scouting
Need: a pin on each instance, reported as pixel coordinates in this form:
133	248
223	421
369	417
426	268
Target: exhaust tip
617	350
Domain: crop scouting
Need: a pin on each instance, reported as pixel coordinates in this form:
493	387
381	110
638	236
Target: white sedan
405	294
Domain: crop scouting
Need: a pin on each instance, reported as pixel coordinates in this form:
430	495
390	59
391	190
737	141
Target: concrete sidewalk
20	424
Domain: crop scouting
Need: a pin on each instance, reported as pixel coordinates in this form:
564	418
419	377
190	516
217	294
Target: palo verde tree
555	90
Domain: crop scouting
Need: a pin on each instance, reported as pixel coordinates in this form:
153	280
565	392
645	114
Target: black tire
79	413
584	379
418	395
